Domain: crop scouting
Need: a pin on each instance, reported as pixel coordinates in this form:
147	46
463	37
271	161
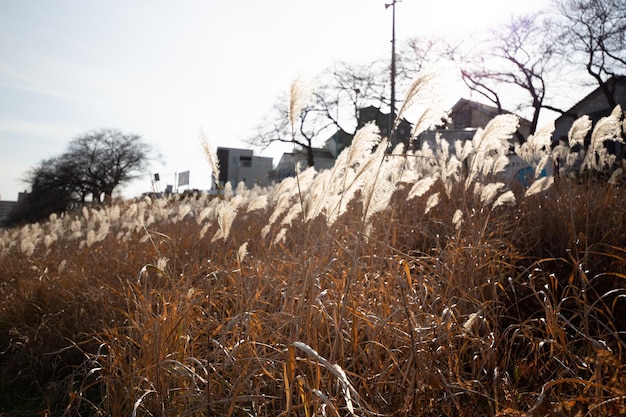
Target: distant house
342	139
322	158
325	157
238	165
5	209
595	105
465	118
382	120
338	142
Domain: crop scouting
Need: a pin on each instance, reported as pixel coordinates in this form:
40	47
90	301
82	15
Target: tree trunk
309	157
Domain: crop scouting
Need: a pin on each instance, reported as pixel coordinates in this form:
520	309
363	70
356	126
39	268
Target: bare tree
517	55
417	54
346	88
107	158
277	128
55	187
593	33
95	163
339	94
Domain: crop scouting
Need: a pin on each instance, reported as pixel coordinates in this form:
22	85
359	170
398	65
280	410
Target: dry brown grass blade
348	390
234	397
289	376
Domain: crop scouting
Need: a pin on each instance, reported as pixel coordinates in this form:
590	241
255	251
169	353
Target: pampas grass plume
292	214
429	90
578	131
226	214
364	141
488	192
607	129
539	185
61	266
258	203
431	203
162	263
505	198
457	219
210	155
242	252
421	187
300	93
280	237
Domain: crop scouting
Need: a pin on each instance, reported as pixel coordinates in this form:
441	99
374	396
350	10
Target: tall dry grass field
416	283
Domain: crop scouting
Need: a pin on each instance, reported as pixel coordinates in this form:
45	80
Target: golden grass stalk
300	94
210	155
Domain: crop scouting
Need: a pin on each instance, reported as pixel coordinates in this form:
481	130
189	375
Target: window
245	161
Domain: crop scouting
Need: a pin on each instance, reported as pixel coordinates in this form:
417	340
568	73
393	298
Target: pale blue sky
165	69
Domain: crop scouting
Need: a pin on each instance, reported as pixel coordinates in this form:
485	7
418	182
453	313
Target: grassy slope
411	291
212	334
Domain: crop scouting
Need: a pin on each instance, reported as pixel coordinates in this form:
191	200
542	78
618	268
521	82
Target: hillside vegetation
416	283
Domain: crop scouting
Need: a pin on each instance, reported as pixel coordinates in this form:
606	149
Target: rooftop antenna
392	113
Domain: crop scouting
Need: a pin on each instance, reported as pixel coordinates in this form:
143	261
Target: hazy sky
166	69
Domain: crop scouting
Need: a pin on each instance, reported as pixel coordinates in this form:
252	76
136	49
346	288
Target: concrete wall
238	165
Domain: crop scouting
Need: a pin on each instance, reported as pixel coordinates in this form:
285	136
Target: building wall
238	165
5	210
322	163
594	105
469	114
322	159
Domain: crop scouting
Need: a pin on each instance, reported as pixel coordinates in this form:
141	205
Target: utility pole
392	112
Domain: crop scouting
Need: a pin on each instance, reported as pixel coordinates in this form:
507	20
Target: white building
238	165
